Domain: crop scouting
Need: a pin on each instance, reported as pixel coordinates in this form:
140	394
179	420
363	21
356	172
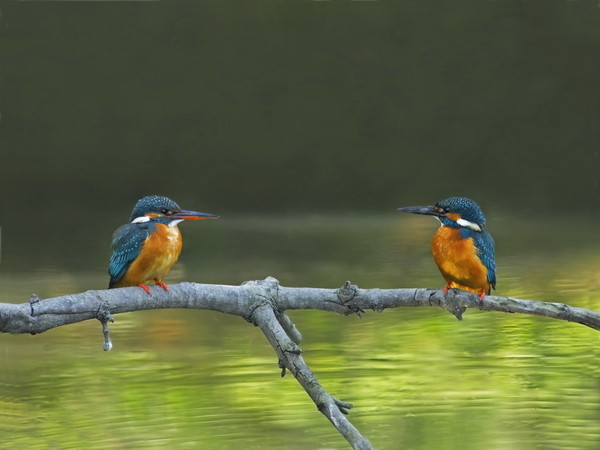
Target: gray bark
264	303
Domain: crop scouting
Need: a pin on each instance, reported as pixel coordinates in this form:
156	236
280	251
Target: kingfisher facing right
146	248
462	249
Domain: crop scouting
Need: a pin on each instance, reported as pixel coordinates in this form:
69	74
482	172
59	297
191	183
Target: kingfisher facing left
146	248
462	249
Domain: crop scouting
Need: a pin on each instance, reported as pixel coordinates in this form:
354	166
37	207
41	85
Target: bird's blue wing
486	250
126	244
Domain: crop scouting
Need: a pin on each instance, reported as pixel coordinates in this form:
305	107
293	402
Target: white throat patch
141	219
173	223
467	224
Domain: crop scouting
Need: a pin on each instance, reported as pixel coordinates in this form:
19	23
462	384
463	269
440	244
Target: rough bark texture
264	303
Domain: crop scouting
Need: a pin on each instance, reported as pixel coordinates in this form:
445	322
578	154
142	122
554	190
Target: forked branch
264	303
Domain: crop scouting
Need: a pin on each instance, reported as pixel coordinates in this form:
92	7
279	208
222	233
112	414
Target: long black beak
425	210
193	215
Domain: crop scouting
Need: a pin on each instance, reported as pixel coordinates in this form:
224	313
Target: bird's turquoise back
127	244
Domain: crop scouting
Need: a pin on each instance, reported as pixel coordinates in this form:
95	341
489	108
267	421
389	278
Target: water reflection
417	377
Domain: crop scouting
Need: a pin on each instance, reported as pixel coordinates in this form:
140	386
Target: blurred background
304	125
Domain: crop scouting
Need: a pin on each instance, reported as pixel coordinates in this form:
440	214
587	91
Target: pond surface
418	378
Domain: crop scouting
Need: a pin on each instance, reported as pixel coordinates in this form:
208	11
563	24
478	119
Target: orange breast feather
160	251
458	261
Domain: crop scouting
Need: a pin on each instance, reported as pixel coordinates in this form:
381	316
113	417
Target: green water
418	378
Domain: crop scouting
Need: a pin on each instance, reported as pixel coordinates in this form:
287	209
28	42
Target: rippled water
418	378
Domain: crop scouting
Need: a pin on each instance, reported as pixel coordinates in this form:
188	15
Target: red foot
161	284
144	287
482	294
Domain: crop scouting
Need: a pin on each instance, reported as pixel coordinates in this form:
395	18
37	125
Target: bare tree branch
264	303
290	358
37	316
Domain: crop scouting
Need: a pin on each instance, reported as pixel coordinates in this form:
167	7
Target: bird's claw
161	284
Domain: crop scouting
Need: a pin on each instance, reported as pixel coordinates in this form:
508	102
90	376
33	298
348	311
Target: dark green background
291	107
300	106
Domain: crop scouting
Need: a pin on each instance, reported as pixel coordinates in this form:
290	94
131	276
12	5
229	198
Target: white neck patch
141	219
173	223
467	224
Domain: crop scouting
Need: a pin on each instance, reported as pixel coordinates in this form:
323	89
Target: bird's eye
164	211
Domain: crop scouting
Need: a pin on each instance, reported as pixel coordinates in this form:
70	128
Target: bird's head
456	212
163	209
